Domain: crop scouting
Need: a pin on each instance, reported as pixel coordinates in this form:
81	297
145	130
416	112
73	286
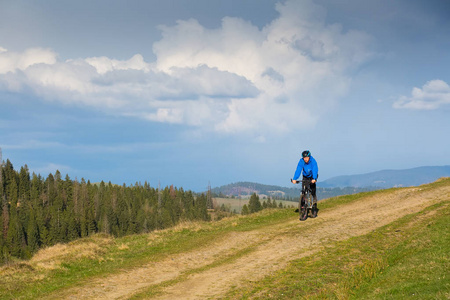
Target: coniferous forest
37	212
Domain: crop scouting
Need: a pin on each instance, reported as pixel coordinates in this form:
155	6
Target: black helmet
306	153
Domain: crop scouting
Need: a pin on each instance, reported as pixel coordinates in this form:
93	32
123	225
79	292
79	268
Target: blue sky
191	92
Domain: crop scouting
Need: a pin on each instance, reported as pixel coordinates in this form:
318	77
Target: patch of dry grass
52	257
123	247
18	275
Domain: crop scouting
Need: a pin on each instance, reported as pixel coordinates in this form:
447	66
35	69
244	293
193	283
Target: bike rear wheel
314	211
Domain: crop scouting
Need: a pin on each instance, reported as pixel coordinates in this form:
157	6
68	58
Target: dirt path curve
271	250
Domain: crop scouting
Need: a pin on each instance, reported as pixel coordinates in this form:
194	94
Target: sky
202	92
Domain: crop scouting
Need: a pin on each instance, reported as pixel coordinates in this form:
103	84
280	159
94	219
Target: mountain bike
305	203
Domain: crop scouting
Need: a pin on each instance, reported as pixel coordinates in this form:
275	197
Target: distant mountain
389	178
245	189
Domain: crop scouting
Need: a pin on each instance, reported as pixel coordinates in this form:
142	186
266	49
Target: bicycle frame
305	203
307	193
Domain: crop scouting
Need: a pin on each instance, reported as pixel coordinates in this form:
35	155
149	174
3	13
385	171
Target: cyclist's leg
314	210
303	194
313	192
303	187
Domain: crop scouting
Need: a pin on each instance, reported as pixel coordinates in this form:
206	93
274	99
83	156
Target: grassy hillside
406	259
357	248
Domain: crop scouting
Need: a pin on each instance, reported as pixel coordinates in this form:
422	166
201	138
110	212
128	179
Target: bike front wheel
303	210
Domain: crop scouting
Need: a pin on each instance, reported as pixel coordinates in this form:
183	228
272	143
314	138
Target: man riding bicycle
308	166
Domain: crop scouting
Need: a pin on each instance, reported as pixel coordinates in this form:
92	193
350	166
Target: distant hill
389	178
245	189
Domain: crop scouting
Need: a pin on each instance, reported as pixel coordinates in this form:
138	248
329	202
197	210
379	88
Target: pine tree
24	185
15	236
5	216
73	230
188	205
254	205
269	203
91	222
68	191
83	208
201	208
122	212
245	210
32	234
274	204
51	190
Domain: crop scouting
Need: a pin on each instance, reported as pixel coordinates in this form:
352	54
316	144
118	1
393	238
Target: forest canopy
37	212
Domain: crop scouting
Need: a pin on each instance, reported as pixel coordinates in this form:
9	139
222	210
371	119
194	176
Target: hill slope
245	189
389	178
266	255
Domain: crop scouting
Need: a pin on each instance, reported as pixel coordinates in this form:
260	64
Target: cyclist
308	166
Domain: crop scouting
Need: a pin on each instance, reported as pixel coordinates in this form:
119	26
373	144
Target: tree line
37	212
281	193
254	205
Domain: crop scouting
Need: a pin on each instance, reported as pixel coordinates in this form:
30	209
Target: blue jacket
309	169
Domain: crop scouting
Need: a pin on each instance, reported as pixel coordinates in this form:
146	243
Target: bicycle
305	203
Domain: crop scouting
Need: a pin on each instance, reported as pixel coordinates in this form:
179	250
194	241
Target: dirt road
207	273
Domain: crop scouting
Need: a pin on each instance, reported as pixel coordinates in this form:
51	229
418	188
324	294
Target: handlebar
303	180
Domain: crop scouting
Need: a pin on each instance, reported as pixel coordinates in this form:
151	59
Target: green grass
381	264
346	199
419	266
405	259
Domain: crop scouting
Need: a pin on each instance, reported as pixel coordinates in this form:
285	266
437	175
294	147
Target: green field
236	204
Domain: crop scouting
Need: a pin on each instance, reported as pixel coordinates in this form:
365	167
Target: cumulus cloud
297	58
11	61
235	78
124	87
104	64
433	94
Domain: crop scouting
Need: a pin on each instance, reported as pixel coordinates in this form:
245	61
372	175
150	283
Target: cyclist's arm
298	171
315	171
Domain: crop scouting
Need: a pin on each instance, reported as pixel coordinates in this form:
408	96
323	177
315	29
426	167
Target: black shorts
312	186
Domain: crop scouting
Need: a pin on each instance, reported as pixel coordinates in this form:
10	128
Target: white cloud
11	61
433	94
123	87
297	58
104	64
235	78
